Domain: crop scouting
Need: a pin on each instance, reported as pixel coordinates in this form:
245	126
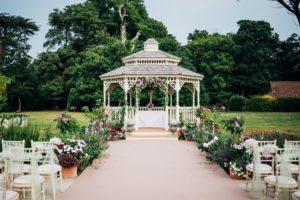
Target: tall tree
213	56
15	32
256	57
289	58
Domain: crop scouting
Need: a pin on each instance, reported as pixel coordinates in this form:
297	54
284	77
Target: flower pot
235	176
69	172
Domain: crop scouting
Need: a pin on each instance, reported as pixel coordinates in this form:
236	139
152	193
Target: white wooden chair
283	181
16	148
48	167
296	195
6	194
32	182
291	144
265	167
9	195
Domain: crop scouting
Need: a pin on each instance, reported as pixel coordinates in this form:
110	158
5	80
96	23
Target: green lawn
279	121
268	121
46	118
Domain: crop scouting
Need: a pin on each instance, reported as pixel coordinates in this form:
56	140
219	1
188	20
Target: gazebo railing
114	113
151	109
188	114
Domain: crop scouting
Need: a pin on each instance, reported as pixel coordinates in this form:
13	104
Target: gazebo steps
152	136
151	130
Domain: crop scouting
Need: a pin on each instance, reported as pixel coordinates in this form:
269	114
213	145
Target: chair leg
53	185
43	190
247	180
61	181
32	193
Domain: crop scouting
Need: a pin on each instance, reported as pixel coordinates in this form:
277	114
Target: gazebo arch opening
153	71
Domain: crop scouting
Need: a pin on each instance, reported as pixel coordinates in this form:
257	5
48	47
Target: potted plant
173	126
69	155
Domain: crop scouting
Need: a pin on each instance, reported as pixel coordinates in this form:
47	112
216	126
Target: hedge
264	103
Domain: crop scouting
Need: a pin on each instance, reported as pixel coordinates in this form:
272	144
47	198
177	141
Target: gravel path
154	170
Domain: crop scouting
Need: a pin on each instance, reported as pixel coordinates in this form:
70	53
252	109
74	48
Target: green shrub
95	145
287	104
279	136
237	103
261	103
27	133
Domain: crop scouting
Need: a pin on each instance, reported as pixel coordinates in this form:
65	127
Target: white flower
55	141
216	138
250	144
205	145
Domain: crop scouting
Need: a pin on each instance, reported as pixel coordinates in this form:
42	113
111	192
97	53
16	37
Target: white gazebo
143	70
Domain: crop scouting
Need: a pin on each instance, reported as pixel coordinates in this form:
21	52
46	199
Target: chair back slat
291	144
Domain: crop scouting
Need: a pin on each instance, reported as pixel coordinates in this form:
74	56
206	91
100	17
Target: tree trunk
19	104
134	40
122	14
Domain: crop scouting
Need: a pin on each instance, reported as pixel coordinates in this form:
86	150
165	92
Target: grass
46	118
265	121
270	121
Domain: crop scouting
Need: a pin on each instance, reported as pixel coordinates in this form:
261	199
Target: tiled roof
151	54
151	70
285	89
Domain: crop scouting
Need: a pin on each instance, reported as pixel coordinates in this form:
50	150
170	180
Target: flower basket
235	176
69	172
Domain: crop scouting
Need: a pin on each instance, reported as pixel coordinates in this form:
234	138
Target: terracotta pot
234	176
70	172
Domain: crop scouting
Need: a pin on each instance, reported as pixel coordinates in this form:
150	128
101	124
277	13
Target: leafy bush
261	103
279	136
17	133
95	145
288	104
268	103
67	125
237	103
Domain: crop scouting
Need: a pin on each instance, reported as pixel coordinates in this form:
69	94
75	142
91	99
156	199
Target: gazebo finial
151	45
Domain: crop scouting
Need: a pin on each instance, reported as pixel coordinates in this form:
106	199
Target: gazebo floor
151	130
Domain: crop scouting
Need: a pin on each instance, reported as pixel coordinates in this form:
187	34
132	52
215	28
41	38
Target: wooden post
198	94
136	109
104	95
177	86
108	98
193	97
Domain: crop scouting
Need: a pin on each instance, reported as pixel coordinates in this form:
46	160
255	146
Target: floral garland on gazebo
151	84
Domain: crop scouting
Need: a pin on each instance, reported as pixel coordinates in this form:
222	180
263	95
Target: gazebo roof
163	70
151	62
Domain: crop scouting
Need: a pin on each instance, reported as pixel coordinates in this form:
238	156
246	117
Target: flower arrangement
152	83
66	124
116	132
69	153
207	145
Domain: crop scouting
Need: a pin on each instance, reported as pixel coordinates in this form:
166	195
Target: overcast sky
180	16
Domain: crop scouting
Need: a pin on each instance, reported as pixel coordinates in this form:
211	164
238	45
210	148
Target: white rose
216	138
55	141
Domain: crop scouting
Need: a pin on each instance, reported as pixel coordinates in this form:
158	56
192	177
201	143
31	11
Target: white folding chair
48	167
265	167
283	180
32	182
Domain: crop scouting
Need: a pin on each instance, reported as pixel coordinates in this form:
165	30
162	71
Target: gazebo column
130	97
198	95
177	87
136	109
126	88
104	94
108	98
167	111
193	97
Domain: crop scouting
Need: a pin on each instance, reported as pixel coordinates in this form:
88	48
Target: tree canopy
89	39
